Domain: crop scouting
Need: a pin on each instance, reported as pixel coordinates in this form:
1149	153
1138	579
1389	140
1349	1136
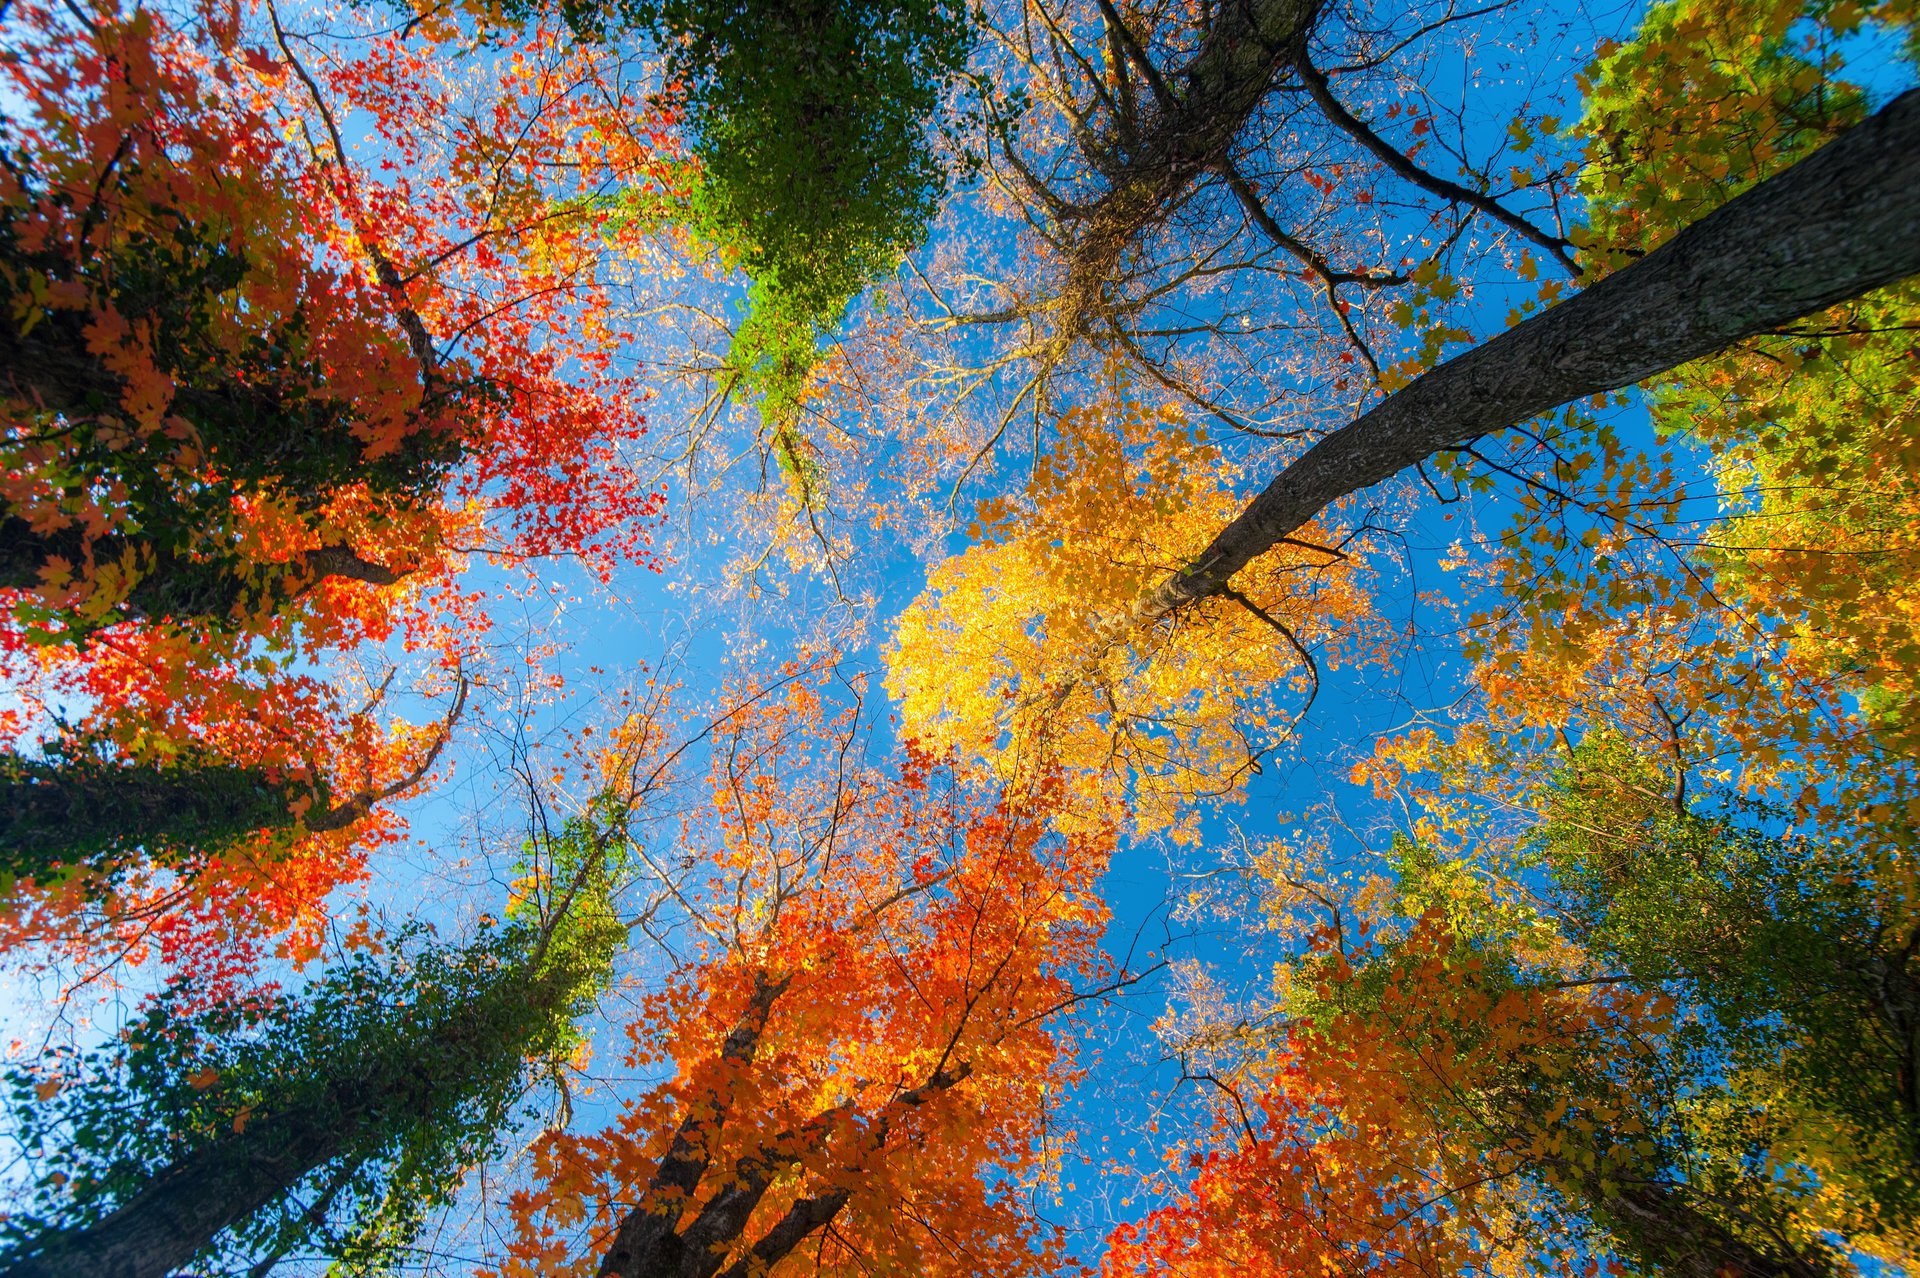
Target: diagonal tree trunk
180	1211
1841	222
801	1221
650	1242
382	1091
186	1205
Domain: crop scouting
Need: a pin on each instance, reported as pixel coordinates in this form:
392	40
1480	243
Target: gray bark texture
1840	223
1151	164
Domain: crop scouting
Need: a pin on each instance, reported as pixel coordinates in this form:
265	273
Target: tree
811	168
80	811
318	384
1818	234
1806	430
373	1091
1814	233
1242	207
810	128
1799	953
991	660
862	1045
1633	991
1689	810
174	358
261	401
1452	1085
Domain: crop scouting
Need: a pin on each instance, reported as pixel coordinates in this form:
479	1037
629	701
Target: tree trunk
647	1243
1841	222
168	585
1150	164
183	1209
651	1243
84	811
801	1221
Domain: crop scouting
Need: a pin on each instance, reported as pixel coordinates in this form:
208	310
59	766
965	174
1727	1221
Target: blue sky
695	620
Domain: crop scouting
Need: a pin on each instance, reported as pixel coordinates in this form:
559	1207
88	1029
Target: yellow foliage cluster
1011	655
1812	434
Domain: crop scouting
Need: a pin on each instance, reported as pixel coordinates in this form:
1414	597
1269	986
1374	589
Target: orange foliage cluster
1424	1119
869	1013
443	290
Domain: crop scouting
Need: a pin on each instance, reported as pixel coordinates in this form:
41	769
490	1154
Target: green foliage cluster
75	810
1803	968
401	1069
811	121
1784	1074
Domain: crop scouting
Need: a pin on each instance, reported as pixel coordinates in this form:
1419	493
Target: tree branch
1841	222
1397	161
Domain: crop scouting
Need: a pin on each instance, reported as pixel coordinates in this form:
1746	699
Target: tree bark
1841	222
801	1221
184	1208
1150	164
650	1243
90	812
647	1243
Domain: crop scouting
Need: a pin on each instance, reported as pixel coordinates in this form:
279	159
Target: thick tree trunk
1838	224
180	1211
648	1243
90	812
1150	164
651	1243
184	1208
169	585
82	810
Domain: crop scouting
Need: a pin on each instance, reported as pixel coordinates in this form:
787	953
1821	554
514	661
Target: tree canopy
1051	637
